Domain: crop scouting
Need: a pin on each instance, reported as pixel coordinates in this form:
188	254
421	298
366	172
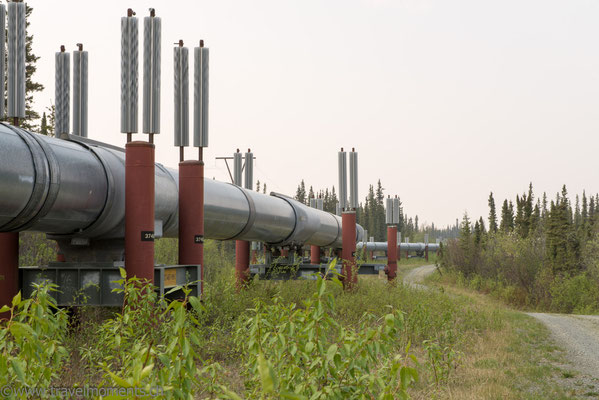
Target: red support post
242	263
348	226
284	252
139	210
391	268
315	255
9	267
191	214
426	252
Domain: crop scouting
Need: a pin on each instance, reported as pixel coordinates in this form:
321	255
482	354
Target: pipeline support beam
191	214
139	210
9	267
350	277
391	268
242	263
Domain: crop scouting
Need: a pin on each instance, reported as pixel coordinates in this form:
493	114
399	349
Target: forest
371	214
538	253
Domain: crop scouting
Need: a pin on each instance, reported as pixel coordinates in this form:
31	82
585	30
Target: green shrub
305	353
577	294
32	341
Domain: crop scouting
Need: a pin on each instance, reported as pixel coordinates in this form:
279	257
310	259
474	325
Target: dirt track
578	335
414	277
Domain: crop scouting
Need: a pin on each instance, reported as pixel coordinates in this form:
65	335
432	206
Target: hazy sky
444	100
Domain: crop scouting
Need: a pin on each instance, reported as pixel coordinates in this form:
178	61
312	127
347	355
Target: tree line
370	214
536	252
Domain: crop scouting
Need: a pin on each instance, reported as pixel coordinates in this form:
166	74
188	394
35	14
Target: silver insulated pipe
382	246
76	188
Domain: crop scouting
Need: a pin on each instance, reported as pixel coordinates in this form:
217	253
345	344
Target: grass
438	328
468	346
516	361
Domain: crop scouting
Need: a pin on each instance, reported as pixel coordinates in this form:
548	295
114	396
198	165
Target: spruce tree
492	214
257	183
511	215
31	86
477	233
300	194
44	126
585	209
506	223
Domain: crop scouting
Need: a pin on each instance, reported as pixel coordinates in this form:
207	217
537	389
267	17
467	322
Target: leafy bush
152	345
32	341
577	294
303	352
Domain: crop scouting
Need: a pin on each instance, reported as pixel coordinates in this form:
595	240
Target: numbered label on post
147	236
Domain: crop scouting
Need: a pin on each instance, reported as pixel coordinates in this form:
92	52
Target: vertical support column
242	247
391	268
315	250
191	213
139	210
426	246
315	255
9	241
9	267
348	226
398	246
242	263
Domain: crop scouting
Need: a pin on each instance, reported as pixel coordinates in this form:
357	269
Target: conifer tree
477	233
44	125
31	86
300	194
492	214
507	220
511	215
257	183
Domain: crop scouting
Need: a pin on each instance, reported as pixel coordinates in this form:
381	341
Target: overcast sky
444	100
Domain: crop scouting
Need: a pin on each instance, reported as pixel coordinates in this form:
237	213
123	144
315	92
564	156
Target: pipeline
382	246
75	188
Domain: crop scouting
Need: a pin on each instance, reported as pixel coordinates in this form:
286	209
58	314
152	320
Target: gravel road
578	335
414	277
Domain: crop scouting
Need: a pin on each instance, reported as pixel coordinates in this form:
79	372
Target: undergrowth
299	339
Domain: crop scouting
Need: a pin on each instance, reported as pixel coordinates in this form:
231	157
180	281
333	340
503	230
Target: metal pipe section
382	246
315	250
76	188
342	164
